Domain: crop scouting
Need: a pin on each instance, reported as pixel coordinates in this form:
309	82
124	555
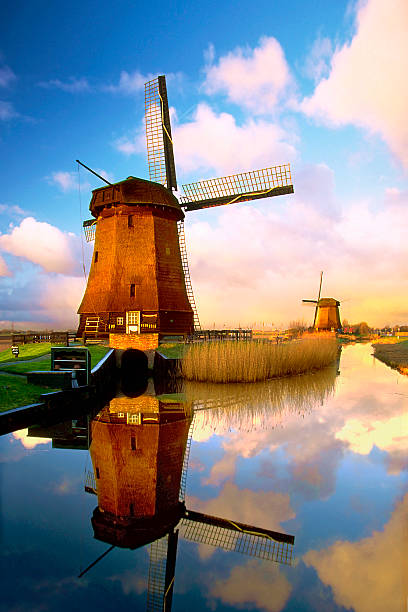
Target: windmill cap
328	302
134	191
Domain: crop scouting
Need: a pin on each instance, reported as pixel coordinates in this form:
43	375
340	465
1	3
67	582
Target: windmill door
133	322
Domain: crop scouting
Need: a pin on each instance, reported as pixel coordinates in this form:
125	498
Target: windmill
140	455
139	282
327	314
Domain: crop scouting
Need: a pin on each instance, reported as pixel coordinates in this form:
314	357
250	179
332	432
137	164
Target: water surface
322	457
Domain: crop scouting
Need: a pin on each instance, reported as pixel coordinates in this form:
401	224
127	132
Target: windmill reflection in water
140	449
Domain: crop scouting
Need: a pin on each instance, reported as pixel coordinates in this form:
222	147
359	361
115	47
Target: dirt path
394	355
7	363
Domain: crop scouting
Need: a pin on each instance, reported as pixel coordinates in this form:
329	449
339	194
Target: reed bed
253	361
263	405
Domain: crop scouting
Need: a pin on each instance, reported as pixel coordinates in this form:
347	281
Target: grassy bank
27	351
223	362
15	392
22	367
173	351
394	355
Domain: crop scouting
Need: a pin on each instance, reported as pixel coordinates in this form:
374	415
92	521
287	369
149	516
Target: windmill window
133	442
135	420
132	290
167	251
97	472
119	321
130	221
96	256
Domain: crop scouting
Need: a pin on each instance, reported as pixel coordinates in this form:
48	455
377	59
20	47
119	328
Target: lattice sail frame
160	157
244	542
241	187
89	229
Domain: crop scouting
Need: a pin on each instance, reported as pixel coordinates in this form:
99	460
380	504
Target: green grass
27	351
395	355
97	352
24	367
15	392
173	351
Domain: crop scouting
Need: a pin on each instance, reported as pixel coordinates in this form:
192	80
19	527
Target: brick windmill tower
139	287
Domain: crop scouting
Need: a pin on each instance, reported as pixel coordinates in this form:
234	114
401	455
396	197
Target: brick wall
143	342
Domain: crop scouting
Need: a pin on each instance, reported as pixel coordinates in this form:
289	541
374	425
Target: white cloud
134	82
72	85
252	78
131	146
265	509
4	271
130	82
60	298
7	111
29	441
317	63
366	85
65	180
378	562
216	142
43	244
11	210
254	584
7	76
266	257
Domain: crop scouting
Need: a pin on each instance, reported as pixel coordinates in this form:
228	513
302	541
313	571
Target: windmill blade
310	301
162	568
238	188
318	299
89	229
238	537
160	157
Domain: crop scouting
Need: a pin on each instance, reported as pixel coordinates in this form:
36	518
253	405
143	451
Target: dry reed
262	405
253	361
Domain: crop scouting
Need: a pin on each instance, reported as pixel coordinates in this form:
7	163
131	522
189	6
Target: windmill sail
160	157
238	537
162	568
238	188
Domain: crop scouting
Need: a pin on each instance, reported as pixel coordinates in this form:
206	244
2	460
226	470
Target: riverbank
393	355
14	389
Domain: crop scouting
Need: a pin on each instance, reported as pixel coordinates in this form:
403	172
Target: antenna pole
93	172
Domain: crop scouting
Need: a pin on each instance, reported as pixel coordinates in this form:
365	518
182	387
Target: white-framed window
133	318
133	419
119	320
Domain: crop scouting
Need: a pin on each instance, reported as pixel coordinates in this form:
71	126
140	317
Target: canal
290	495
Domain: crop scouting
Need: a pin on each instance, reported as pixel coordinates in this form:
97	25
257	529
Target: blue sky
316	84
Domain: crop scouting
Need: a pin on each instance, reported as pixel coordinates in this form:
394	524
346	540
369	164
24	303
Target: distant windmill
139	281
327	314
140	451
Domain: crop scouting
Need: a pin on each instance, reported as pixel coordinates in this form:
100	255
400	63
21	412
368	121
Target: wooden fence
205	335
53	337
